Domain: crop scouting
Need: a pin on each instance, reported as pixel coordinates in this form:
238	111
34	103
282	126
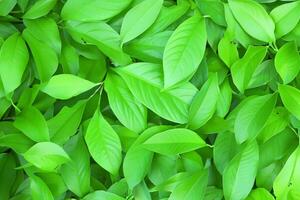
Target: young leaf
286	17
103	143
65	124
253	116
184	51
128	110
290	97
251	14
287	182
145	81
33	124
174	141
46	156
90	10
39	189
76	173
239	175
204	103
287	62
243	69
13	61
40	8
139	18
65	86
227	51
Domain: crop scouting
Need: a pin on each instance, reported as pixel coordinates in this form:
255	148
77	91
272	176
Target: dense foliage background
149	99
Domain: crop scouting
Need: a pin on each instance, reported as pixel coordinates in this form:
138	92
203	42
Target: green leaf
174	141
102	195
290	97
214	9
225	98
128	110
46	156
16	141
184	51
260	193
13	61
253	116
287	182
101	35
76	173
37	131
39	189
139	18
286	17
103	143
45	58
65	124
7	173
239	175
40	8
65	86
243	11
227	51
6	6
287	62
133	173
204	103
90	10
146	80
192	188
243	69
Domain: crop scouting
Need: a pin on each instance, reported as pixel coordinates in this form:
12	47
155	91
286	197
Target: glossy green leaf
174	141
204	103
65	86
138	19
103	143
289	68
39	189
13	61
40	8
290	97
184	51
239	175
259	25
128	110
37	131
46	156
253	116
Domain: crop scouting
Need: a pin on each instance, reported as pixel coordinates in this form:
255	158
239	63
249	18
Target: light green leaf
76	173
243	69
287	183
45	58
133	173
259	194
254	19
46	156
286	16
287	62
103	143
139	18
16	141
39	189
91	10
290	97
65	124
40	8
6	6
33	124
253	116
145	81
224	100
65	86
214	9
227	51
174	141
13	61
101	35
184	51
204	103
192	188
128	110
239	175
